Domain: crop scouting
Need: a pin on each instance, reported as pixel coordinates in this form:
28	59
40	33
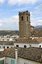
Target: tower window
25	46
27	18
22	18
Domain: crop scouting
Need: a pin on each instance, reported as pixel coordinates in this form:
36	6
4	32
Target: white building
6	44
8	38
26	43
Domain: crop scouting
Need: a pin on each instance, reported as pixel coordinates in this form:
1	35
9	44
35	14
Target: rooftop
26	40
33	54
6	43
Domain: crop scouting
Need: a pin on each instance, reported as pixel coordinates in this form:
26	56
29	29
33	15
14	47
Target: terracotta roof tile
6	42
26	40
34	54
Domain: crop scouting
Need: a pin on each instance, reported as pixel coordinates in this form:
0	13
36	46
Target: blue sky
9	10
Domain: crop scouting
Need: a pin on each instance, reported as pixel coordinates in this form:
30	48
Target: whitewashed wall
8	60
21	45
1	46
40	44
34	45
23	61
1	59
28	45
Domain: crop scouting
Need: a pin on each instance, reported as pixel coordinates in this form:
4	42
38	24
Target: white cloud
11	23
19	2
1	22
38	7
10	20
2	1
37	12
35	20
12	2
27	1
36	15
14	19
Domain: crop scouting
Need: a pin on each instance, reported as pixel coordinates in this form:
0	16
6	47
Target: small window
3	46
22	18
25	46
40	46
7	47
17	45
27	18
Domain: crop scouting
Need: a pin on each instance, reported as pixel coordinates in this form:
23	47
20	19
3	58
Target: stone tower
24	24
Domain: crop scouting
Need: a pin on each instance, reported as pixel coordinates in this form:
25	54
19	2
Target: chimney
16	55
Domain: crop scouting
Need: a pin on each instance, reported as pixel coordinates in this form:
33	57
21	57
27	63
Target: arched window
27	18
40	46
17	45
22	18
7	47
25	46
3	46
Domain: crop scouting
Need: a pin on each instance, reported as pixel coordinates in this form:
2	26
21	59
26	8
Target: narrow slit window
22	18
27	18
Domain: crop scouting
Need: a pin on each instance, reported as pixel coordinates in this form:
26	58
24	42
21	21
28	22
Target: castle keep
24	24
